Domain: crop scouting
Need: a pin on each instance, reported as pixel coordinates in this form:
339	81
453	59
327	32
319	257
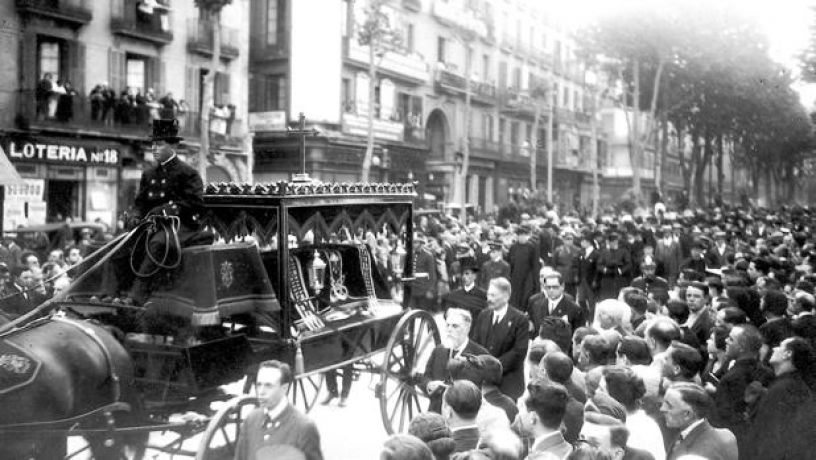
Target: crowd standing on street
676	335
669	336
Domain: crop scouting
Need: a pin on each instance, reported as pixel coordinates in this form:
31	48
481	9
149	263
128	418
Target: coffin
215	282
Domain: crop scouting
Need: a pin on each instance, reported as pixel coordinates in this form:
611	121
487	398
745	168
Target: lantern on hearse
317	272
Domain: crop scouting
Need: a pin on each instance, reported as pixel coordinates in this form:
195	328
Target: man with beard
615	266
524	267
436	377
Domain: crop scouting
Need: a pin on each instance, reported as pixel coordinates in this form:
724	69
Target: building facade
82	81
500	51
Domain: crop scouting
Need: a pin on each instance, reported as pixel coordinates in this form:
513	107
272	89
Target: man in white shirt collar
685	406
542	420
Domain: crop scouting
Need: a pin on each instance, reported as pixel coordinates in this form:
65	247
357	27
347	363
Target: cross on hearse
302	132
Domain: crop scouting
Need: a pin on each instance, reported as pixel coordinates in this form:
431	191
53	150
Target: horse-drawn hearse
304	272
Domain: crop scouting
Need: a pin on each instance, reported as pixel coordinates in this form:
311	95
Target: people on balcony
103	99
44	88
169	106
65	100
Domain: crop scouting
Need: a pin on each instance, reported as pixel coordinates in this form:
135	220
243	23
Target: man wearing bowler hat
171	188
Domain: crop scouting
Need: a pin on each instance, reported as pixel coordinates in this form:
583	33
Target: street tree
380	35
213	9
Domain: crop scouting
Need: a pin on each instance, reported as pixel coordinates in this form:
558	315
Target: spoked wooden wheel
220	439
303	392
406	353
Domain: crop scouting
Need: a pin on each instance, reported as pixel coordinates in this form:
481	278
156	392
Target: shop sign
27	190
62	153
267	121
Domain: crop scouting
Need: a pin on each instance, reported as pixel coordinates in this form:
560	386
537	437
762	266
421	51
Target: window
502	128
565	102
517	78
440	49
345	95
272	22
267	92
485	67
489	134
514	134
556	92
576	101
409	38
136	72
48	56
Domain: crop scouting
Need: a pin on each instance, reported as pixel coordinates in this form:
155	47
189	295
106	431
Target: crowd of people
671	336
28	278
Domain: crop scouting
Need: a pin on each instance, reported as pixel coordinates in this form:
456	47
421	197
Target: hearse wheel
303	392
220	439
408	349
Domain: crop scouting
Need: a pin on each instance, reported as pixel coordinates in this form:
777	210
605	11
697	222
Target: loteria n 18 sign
61	153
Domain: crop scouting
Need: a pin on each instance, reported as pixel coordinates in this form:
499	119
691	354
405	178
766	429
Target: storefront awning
8	174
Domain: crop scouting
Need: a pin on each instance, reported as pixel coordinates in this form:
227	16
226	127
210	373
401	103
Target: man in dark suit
495	267
171	188
423	290
615	265
553	303
470	296
685	408
461	403
21	295
783	425
720	254
588	276
436	377
504	331
276	429
730	405
524	266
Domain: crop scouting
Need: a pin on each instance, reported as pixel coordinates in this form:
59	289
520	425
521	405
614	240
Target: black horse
78	376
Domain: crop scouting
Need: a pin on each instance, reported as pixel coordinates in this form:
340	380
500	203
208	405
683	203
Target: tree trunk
720	172
635	150
372	91
661	153
699	172
207	103
534	147
692	169
466	146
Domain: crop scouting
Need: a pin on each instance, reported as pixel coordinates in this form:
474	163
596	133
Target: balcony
129	20
78	113
405	66
572	117
455	84
484	148
74	13
357	125
520	104
200	39
412	5
462	19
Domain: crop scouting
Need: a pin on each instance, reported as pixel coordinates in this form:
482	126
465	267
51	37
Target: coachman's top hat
165	130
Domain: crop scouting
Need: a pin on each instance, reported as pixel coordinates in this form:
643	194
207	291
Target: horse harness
117	390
